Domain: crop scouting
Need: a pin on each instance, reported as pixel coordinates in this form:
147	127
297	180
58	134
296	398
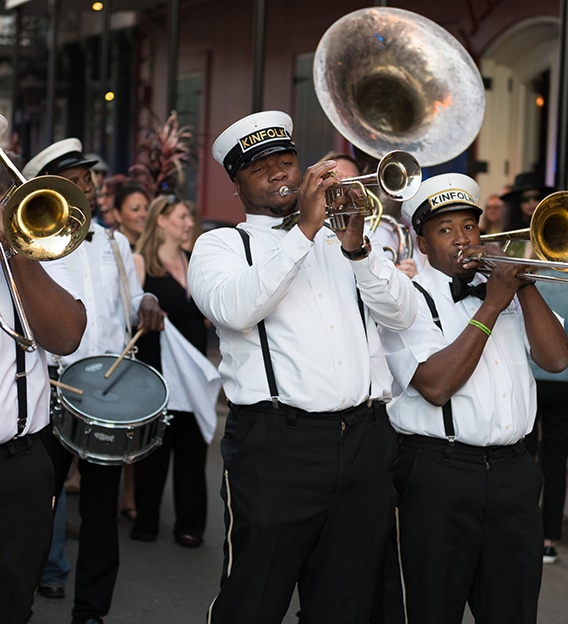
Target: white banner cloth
193	381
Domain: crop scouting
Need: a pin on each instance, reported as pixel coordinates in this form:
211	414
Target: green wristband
480	326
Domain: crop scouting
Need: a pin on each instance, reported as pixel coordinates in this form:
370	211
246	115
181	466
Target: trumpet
548	235
398	175
43	219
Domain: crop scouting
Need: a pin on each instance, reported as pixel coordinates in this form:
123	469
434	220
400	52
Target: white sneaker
550	555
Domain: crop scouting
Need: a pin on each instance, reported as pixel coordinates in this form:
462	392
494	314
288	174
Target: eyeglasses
531	196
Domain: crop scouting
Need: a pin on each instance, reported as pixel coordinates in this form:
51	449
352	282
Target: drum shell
116	421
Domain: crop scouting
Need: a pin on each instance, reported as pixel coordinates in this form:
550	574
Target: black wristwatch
360	253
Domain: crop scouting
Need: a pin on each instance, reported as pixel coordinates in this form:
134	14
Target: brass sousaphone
390	79
394	82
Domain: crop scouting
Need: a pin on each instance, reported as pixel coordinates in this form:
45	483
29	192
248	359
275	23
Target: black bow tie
460	289
288	222
89	236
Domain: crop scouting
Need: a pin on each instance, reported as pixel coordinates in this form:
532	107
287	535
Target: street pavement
163	583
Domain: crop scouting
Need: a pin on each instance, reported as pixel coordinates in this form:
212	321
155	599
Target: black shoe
189	541
550	555
49	591
91	620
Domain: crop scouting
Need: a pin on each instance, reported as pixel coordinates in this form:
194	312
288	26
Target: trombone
548	234
43	219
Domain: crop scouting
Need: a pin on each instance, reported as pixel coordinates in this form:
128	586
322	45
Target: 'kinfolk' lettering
262	136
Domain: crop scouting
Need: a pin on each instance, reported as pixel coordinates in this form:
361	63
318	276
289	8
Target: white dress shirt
94	274
38	389
305	291
497	405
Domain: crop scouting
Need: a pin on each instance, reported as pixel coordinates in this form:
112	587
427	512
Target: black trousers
26	520
183	439
309	500
98	557
553	454
470	531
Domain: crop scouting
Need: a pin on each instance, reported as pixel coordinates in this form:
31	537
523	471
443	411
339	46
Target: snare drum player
57	321
470	523
307	448
97	278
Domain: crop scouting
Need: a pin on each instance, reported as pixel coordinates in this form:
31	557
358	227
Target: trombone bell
549	228
548	234
46	218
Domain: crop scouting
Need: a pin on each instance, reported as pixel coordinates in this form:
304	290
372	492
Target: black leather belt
267	407
18	446
440	444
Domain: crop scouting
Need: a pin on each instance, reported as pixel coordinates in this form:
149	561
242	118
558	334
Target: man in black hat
469	519
307	448
96	275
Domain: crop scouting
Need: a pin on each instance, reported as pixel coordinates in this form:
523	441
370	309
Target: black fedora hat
525	182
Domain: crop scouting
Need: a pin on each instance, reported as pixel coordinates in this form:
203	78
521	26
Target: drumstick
63	386
129	346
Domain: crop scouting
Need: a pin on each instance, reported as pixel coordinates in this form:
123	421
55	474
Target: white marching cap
441	193
253	137
57	157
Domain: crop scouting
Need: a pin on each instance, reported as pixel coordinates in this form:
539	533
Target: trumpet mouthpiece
284	191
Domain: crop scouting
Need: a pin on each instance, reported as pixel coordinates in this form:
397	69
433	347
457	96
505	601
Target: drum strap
125	295
21	382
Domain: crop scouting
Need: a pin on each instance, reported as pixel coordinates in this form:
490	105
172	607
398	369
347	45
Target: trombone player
57	320
470	523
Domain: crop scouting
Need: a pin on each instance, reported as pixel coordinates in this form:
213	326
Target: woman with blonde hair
161	262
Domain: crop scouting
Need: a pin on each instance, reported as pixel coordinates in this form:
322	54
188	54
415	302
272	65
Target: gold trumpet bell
549	228
46	218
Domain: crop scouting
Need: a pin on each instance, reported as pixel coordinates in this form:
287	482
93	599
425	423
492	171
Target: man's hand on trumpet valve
311	197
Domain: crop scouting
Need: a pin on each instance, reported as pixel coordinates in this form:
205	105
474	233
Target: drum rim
90	419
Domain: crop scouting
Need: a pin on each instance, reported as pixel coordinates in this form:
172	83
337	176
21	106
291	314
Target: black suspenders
262	329
447	408
21	382
262	333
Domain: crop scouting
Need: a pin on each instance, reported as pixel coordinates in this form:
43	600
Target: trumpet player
470	523
307	448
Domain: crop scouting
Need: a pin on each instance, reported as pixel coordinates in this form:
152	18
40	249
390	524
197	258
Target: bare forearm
445	372
56	319
547	338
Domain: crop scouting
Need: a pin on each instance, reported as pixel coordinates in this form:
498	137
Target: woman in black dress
162	264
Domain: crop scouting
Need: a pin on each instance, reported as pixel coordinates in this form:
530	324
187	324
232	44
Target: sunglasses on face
531	196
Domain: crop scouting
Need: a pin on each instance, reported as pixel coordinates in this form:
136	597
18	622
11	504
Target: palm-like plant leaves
163	156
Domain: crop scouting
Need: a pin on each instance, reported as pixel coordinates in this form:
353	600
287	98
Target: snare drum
115	421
